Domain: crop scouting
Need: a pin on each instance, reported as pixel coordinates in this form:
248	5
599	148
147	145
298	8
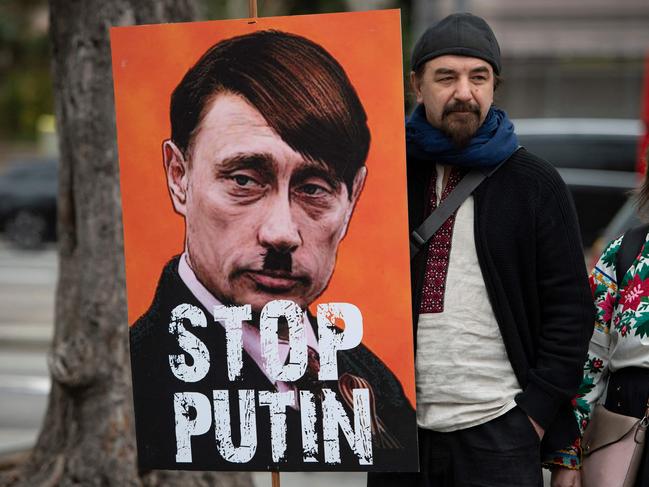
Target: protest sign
265	231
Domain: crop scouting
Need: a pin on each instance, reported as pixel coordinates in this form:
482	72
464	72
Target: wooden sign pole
252	10
275	479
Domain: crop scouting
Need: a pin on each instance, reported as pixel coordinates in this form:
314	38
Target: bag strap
632	242
436	219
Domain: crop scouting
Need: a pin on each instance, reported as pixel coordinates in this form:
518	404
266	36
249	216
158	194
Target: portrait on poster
265	232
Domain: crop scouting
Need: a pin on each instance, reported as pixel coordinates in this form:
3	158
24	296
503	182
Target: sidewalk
27	284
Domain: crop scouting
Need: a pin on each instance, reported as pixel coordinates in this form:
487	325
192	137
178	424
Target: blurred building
561	58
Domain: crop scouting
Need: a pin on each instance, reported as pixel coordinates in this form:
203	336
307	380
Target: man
265	163
501	301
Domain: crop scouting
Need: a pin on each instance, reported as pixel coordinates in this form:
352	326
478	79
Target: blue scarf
494	141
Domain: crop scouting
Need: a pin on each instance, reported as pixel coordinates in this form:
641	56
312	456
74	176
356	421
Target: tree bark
87	437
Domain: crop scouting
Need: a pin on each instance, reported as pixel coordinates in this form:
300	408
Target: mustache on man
275	260
461	106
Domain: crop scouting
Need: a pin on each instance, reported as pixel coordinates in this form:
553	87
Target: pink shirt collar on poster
251	337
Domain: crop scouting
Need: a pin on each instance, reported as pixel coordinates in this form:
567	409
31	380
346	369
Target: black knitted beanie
462	34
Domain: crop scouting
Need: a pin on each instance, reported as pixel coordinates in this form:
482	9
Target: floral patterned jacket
620	338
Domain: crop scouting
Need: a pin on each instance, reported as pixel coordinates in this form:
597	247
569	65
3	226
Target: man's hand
564	477
537	427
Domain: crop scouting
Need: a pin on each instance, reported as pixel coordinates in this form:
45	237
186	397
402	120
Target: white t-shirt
463	375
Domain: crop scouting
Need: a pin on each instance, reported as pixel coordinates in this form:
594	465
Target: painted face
457	92
262	221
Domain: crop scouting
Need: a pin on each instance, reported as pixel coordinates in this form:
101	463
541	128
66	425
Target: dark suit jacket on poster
154	386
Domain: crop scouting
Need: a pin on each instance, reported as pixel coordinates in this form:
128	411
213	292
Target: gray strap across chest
436	219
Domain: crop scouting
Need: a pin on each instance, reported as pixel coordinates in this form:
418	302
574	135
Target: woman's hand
565	477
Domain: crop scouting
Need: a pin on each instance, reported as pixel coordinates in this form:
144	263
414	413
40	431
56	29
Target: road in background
27	286
27	283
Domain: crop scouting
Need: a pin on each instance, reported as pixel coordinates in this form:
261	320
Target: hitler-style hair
299	88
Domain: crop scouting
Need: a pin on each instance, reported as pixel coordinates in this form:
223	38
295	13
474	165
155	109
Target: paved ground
27	284
313	480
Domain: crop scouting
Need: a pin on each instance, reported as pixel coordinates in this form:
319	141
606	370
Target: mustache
277	261
460	106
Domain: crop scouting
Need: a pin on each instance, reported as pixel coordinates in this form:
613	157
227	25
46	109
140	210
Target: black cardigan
531	258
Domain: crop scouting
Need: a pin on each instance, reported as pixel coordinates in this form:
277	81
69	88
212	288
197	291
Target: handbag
612	447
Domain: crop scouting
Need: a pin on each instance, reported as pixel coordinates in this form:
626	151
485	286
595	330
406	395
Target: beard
461	121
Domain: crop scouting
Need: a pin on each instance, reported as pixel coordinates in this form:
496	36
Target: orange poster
265	230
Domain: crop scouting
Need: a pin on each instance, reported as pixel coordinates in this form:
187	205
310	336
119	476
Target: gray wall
561	58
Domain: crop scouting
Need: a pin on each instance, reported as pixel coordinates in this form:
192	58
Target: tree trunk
88	438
